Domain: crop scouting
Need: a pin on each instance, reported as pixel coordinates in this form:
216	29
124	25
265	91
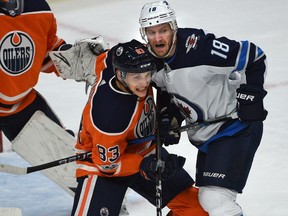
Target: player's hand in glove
166	126
172	165
250	103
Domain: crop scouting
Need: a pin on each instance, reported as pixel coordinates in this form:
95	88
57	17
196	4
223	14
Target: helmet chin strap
123	83
126	87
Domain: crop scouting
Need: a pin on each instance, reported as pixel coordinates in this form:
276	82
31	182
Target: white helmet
155	13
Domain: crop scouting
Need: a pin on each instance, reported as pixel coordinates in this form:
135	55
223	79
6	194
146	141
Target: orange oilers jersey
25	41
111	120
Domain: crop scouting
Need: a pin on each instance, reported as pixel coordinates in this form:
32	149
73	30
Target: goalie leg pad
41	141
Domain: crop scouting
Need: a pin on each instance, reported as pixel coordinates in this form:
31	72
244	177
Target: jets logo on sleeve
17	52
191	42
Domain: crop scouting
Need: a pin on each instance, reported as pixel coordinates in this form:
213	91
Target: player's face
160	38
138	83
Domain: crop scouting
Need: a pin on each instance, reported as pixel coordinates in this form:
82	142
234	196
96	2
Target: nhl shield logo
17	52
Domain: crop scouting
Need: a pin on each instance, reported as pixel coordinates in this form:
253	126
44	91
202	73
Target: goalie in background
24	54
118	126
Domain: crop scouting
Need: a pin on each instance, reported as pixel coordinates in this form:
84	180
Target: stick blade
10	212
6	168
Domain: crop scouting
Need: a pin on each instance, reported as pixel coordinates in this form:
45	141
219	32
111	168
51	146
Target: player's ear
118	74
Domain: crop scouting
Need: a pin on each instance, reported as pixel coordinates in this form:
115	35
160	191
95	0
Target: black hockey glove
166	125
172	165
250	103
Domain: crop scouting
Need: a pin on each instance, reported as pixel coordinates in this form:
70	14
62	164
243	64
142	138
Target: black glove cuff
250	103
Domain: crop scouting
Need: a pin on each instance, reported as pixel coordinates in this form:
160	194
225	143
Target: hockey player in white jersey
207	78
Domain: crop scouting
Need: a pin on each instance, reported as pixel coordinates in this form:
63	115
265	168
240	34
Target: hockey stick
197	125
194	126
1	141
26	170
160	163
160	167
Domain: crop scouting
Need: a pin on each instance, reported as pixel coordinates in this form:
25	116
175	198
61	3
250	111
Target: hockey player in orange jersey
27	35
117	123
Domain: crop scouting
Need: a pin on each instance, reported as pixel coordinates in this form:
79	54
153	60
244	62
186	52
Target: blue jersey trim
259	52
142	140
243	56
229	131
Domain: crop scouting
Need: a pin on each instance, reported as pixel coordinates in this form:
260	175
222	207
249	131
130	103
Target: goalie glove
79	61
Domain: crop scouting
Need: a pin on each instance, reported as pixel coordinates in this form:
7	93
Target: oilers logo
147	122
17	52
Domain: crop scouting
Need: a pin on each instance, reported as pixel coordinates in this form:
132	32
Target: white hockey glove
79	61
97	44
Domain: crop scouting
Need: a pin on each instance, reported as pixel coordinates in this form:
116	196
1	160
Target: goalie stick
26	170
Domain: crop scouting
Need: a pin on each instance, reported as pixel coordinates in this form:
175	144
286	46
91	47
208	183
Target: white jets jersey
202	78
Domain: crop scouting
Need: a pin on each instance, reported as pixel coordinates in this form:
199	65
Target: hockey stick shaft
160	164
1	141
158	177
193	126
26	170
198	125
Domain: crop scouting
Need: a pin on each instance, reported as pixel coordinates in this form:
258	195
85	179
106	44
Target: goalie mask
12	7
156	13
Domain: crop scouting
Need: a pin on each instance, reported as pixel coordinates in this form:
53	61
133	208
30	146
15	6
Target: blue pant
228	160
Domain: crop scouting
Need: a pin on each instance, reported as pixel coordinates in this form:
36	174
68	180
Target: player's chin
160	51
141	92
